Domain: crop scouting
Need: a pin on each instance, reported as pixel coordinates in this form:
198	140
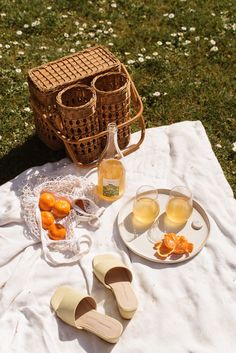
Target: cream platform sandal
116	276
79	311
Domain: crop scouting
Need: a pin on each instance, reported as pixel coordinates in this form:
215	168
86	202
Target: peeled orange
163	251
47	219
57	231
46	201
173	244
170	240
61	208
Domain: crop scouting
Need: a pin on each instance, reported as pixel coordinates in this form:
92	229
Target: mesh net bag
78	240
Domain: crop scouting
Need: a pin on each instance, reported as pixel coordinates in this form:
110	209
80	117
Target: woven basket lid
53	75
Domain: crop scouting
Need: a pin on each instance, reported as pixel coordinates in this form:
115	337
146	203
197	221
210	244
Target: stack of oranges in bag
52	210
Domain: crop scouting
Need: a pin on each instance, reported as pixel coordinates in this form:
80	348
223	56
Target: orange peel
163	251
173	244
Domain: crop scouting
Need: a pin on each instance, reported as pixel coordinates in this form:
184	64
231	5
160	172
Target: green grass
183	49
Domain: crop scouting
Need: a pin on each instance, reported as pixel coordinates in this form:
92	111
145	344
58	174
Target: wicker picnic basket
68	116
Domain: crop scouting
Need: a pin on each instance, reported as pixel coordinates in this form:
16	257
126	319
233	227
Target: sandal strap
102	264
68	300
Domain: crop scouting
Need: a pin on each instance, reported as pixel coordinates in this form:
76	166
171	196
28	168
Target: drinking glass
146	206
180	205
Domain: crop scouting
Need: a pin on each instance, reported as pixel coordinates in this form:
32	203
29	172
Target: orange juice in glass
180	205
146	206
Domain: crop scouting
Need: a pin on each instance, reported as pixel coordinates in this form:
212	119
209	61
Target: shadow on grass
32	153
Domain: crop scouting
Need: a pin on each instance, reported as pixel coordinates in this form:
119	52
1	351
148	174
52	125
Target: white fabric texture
183	308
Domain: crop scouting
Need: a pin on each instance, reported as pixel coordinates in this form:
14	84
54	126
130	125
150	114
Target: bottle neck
112	149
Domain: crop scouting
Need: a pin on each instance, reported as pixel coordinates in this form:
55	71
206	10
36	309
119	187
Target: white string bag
78	240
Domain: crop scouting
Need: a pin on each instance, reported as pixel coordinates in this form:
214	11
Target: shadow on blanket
32	153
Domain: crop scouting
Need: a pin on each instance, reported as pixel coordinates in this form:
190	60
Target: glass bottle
111	171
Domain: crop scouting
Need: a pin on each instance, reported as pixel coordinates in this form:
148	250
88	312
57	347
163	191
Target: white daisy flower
187	42
27	109
18	71
141	59
212	41
19	33
234	147
214	49
130	62
159	43
171	15
35	23
156	94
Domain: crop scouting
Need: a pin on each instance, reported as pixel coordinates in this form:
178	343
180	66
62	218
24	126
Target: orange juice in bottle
111	171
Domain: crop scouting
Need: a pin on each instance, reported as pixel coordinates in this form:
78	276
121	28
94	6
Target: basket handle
137	102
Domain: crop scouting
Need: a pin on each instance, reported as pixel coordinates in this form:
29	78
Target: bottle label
111	187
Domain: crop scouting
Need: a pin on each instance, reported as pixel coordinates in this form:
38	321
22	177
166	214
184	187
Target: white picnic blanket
183	308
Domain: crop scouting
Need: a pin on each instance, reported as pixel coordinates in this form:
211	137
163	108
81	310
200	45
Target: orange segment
46	201
61	208
47	219
57	231
170	240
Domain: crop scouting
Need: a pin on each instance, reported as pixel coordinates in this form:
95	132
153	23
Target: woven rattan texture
72	68
113	103
77	107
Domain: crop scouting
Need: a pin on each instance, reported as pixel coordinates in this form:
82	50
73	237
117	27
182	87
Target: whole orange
46	201
47	219
57	231
61	208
